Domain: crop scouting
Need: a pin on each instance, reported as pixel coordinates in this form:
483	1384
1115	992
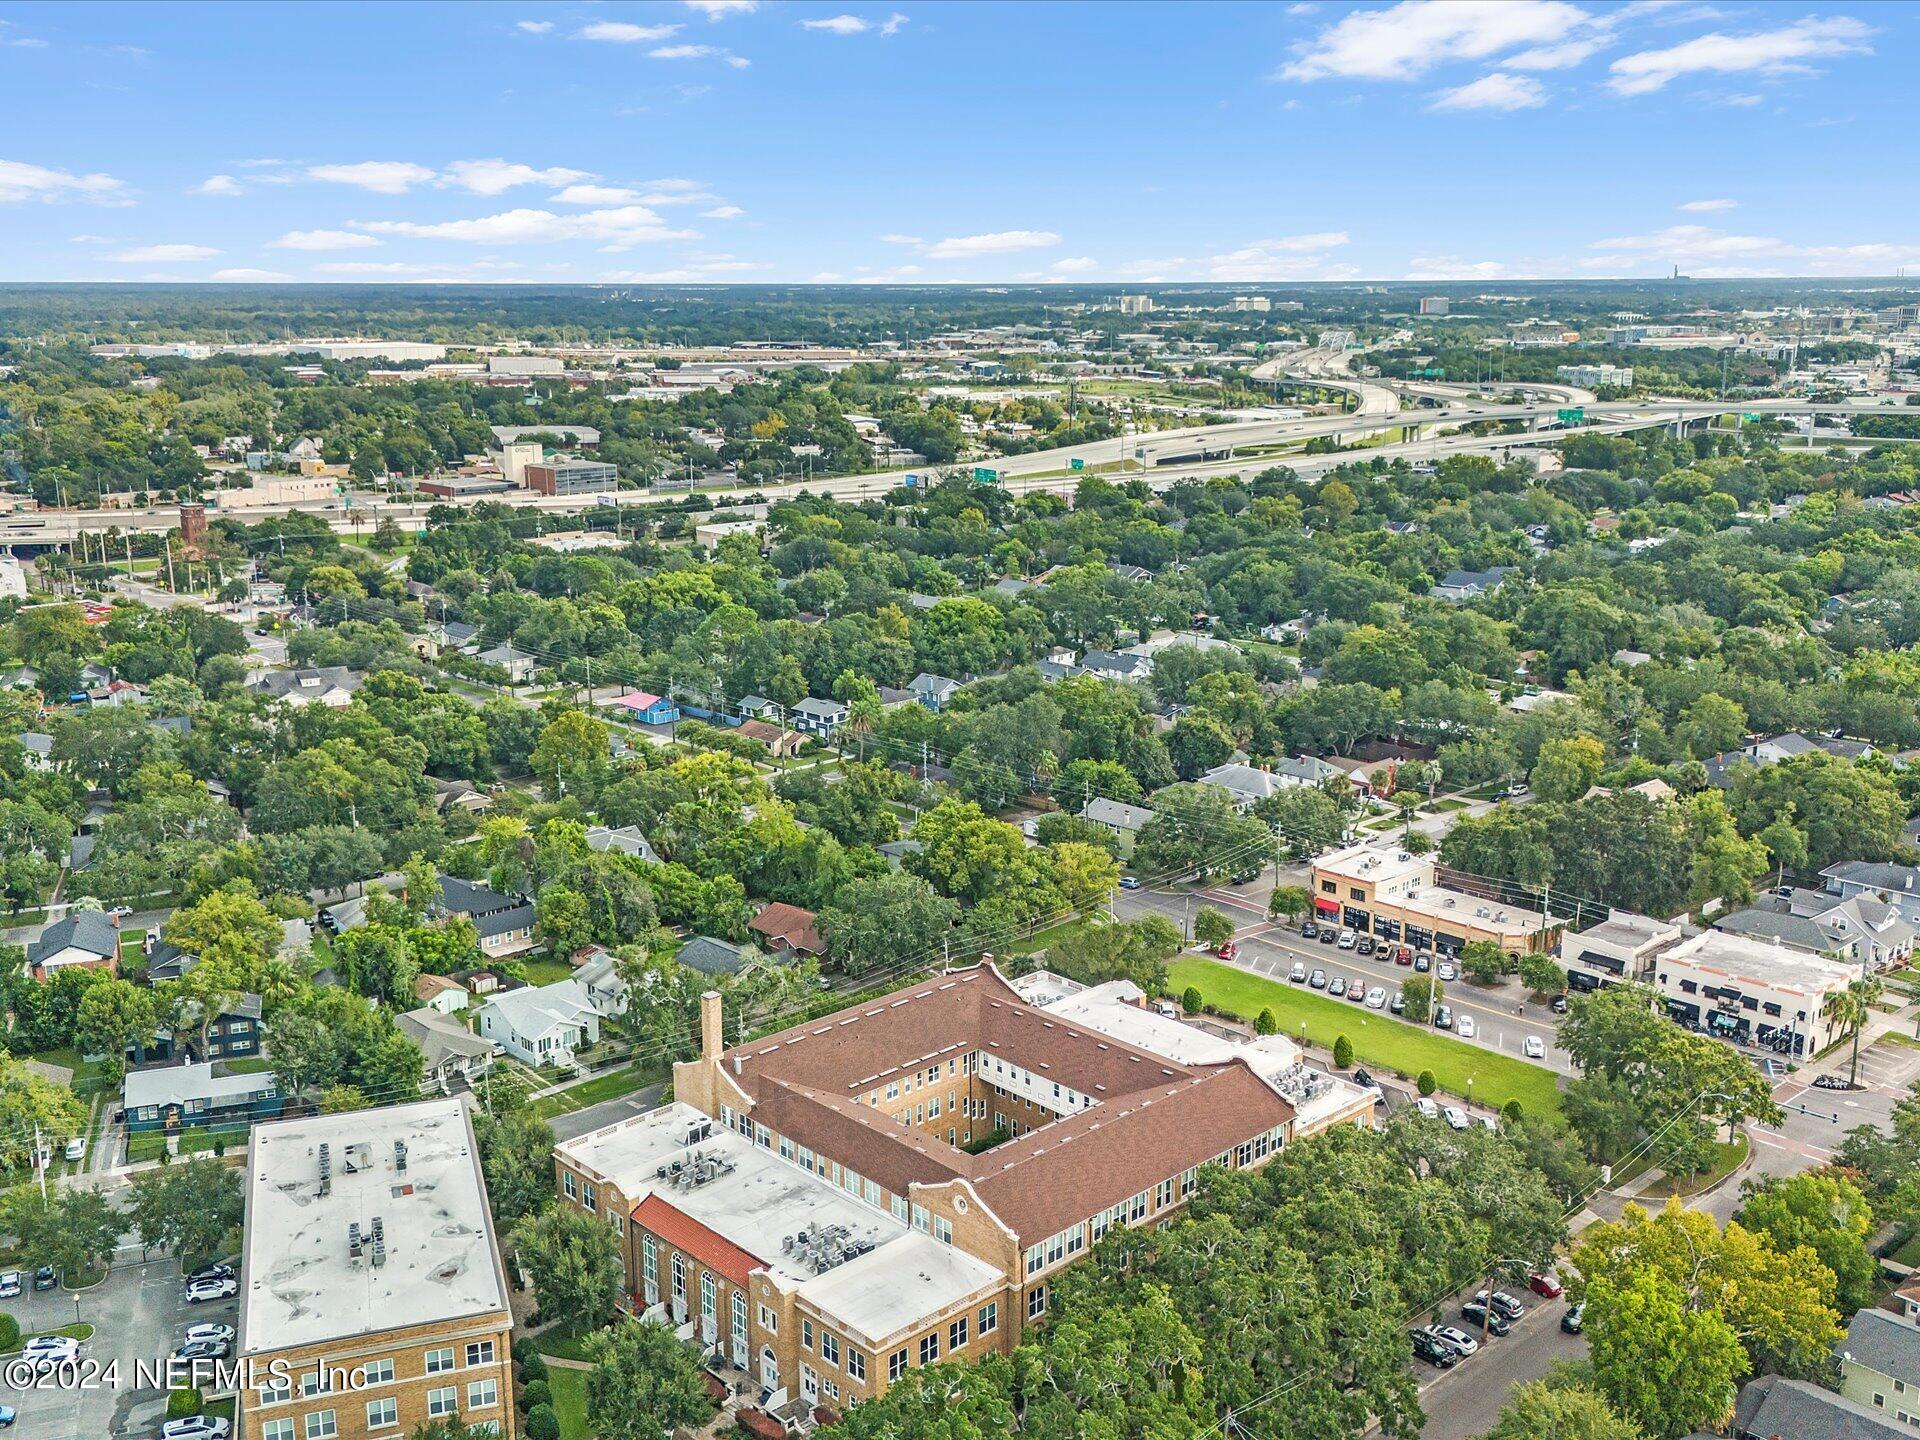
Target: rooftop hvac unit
399	1157
1480	912
354	1245
696	1131
326	1168
359	1157
379	1241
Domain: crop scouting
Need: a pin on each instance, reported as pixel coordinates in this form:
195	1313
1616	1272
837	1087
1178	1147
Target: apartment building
1402	897
809	1209
372	1296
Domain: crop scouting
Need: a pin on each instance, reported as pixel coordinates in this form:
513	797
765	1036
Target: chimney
710	1016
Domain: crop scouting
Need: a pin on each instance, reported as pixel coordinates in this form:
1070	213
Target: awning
1326	906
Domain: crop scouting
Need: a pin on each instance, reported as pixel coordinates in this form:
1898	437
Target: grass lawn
564	1342
152	1144
249	1065
72	1332
569	1391
545	972
1909	1251
1042	938
1726	1159
610	1086
1379	1041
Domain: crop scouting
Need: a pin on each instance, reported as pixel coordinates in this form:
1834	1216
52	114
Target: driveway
138	1315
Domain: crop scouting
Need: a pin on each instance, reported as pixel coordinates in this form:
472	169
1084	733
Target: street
1465	1401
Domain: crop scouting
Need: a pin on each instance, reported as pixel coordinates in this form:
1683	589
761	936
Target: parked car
1402	955
1463	1344
1423	963
1348	939
208	1349
1447	971
1427	1108
1228	951
1455	1117
9	1284
77	1148
1476	1315
1545	1282
217	1271
1363	1079
1464	1027
1398	1004
210	1330
1318	980
196	1427
1504	1304
212	1289
1309	930
1337	986
1366	946
1559	1004
1575	1320
7	1416
1534	1047
1298	975
1376	998
1127	882
1443	1018
44	1278
1431	1348
1328	935
50	1350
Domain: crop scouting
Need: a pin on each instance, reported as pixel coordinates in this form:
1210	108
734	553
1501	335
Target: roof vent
326	1168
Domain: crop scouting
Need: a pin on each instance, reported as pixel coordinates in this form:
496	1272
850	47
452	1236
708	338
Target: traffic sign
984	475
1077	463
1575	416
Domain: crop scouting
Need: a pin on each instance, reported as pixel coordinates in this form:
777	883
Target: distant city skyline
713	141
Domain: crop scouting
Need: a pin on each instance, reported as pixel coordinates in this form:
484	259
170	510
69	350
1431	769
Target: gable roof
1887	1343
1794	1410
89	930
321	679
440	1037
536	1010
710	956
791	924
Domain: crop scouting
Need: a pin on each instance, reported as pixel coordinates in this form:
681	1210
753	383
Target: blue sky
729	141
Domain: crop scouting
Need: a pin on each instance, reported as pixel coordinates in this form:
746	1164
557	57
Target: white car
1298	975
77	1148
1534	1048
219	1287
1453	1335
1348	939
1376	998
1455	1117
51	1349
1427	1108
211	1331
196	1427
1464	1027
1447	971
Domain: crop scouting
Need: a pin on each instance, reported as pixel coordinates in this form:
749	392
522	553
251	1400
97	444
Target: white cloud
1553	57
1287	257
491	177
1684	240
621	32
322	240
1766	52
894	24
699	52
217	185
1498	91
613	229
826	277
901	240
371	267
1407	40
838	24
1702	251
90	240
383	177
720	9
1075	265
596	195
21	181
245	272
722	212
999	242
164	254
1452	267
534	27
1708	206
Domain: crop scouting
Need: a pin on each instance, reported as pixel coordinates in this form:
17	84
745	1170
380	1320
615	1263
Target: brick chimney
710	1014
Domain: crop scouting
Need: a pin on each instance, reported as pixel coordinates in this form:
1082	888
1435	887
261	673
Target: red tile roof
790	925
690	1237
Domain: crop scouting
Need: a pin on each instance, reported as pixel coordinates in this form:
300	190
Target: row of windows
831	1349
383	1413
959	1065
322	1380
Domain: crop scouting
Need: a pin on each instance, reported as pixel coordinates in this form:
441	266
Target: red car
1543	1282
1403	956
1228	951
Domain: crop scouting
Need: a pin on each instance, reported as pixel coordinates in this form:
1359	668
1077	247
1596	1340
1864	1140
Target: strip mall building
1399	897
808	1212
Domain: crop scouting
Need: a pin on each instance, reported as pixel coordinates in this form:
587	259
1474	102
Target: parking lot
139	1317
1466	1399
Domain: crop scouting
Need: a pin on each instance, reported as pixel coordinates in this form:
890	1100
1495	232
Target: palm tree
1850	1008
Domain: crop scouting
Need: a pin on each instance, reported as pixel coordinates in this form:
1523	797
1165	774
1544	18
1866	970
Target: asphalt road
607	1112
1465	1401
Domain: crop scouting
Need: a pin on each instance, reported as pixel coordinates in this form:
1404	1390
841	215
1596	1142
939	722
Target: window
899	1208
277	1430
829	1347
989	1317
856	1364
957	1334
1036	1257
1354	892
806	1333
943	1229
1189	1182
479	1352
321	1425
1163	1195
896	1365
483	1394
444	1401
769	1321
920	1218
930	1347
832	1388
1036	1302
650	1269
383	1412
439	1360
872	1193
893	1090
569	1186
277	1388
589	1197
933	1108
1329	887
317	1381
376	1372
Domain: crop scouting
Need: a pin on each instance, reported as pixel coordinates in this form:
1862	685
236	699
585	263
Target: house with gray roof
453	1057
1467	584
87	938
1862	930
541	1024
1896	885
173	1097
504	923
713	957
933	691
1123	821
818	717
518	664
1116	665
1776	1408
622	840
1880	1364
39	750
1247	785
1772	749
329	685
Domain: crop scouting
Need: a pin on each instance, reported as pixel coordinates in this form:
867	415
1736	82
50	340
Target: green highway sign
1077	463
984	475
1749	417
1575	416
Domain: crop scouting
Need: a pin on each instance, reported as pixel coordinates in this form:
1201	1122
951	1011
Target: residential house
504	923
1247	785
818	717
440	994
541	1024
1896	885
1306	772
1467	584
786	931
80	853
452	1056
454	634
759	707
173	1097
1880	1364
1116	665
781	744
1124	821
38	749
1772	749
713	957
328	685
518	664
1132	574
623	840
1861	929
648	708
895	852
119	692
460	795
87	938
1773	1407
234	1034
600	981
933	691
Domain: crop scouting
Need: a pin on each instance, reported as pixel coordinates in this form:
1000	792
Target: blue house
173	1097
649	709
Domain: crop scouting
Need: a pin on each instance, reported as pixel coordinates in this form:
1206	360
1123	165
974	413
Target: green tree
1567	769
516	1156
574	1262
74	1229
572	756
1212	928
1483	960
1827	1213
1085	874
1421	994
1541	975
1288	902
1342	1052
644	1382
876	919
1192	1001
191	1208
1666	1369
1542	1410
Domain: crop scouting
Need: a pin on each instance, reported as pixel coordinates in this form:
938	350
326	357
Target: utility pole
169	545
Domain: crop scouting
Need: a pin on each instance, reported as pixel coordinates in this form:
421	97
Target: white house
452	1056
541	1024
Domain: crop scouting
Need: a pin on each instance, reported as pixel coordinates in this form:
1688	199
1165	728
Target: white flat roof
756	1204
300	1284
898	1286
1744	960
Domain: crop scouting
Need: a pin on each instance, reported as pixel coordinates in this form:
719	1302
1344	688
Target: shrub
1342	1053
1266	1022
533	1393
524	1350
1427	1083
1512	1111
533	1368
1190	1000
542	1424
183	1402
9	1333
